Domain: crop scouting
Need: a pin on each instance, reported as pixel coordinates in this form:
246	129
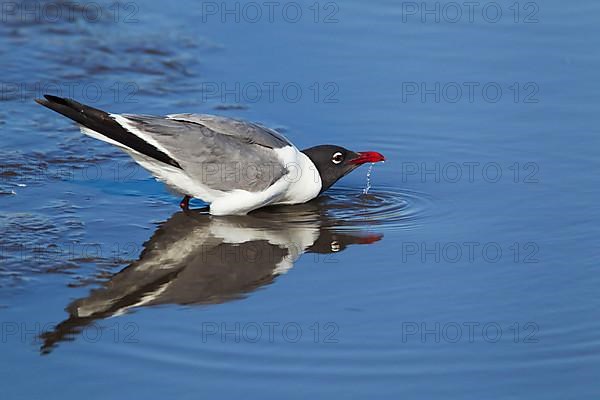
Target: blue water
468	271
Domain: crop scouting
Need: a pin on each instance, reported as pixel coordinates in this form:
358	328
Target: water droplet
366	189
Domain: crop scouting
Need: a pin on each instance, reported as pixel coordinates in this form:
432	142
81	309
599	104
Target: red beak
367	156
372	238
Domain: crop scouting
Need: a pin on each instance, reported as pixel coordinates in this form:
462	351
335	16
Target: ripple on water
386	207
344	208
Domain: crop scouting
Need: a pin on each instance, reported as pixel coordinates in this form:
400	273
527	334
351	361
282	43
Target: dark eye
337	158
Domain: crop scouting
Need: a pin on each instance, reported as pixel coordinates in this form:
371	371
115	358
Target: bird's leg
185	203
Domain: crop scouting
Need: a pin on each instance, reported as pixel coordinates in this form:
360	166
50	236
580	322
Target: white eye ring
337	158
335	246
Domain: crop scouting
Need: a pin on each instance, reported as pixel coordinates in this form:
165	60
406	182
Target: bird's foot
185	203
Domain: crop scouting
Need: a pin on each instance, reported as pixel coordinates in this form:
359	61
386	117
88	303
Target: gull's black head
334	162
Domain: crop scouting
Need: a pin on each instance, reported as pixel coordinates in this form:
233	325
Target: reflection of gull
194	258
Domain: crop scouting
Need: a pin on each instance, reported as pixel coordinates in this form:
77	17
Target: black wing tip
100	122
50	99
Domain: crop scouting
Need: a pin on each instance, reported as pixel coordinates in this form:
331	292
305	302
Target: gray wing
244	130
221	153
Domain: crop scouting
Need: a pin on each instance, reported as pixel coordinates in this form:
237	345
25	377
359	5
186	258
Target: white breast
301	184
303	177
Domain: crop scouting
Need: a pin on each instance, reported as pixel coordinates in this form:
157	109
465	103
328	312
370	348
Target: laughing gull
233	165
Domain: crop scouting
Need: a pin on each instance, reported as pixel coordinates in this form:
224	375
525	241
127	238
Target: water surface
467	271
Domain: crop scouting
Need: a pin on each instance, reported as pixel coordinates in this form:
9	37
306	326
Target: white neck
304	178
